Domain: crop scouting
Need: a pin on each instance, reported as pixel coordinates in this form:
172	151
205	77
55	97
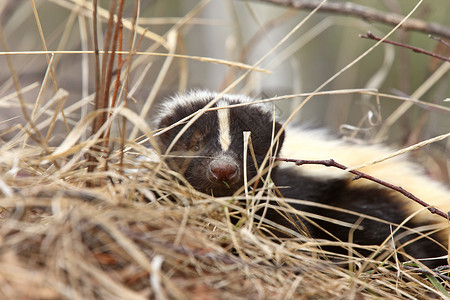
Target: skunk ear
281	139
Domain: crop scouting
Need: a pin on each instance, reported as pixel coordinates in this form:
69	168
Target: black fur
375	201
199	146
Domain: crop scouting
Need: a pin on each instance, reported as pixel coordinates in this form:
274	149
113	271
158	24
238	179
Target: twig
332	163
97	85
127	77
433	272
117	39
103	89
105	70
371	36
96	53
366	13
440	40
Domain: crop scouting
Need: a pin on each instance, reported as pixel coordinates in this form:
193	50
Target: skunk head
210	152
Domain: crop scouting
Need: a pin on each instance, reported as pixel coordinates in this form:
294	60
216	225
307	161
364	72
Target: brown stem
117	39
332	163
433	272
440	40
366	13
371	36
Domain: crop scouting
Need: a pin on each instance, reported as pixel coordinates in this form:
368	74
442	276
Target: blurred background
241	31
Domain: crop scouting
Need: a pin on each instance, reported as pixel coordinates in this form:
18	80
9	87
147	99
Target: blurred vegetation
138	232
244	31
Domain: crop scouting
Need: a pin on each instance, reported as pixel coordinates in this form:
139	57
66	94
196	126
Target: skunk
207	147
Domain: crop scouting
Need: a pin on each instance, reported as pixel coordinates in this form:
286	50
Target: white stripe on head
223	116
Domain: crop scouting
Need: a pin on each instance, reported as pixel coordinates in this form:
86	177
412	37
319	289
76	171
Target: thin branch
117	42
433	272
371	36
366	13
127	77
332	163
96	56
440	40
97	82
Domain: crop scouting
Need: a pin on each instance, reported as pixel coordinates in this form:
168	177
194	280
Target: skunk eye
196	141
194	148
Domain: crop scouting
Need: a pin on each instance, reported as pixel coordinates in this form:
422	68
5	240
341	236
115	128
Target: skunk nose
223	170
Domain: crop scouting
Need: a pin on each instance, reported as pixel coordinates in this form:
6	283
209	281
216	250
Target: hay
80	221
143	235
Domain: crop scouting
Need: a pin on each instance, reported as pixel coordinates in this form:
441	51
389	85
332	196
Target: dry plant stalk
140	232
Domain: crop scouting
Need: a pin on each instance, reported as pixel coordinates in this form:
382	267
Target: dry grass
138	232
141	234
129	240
